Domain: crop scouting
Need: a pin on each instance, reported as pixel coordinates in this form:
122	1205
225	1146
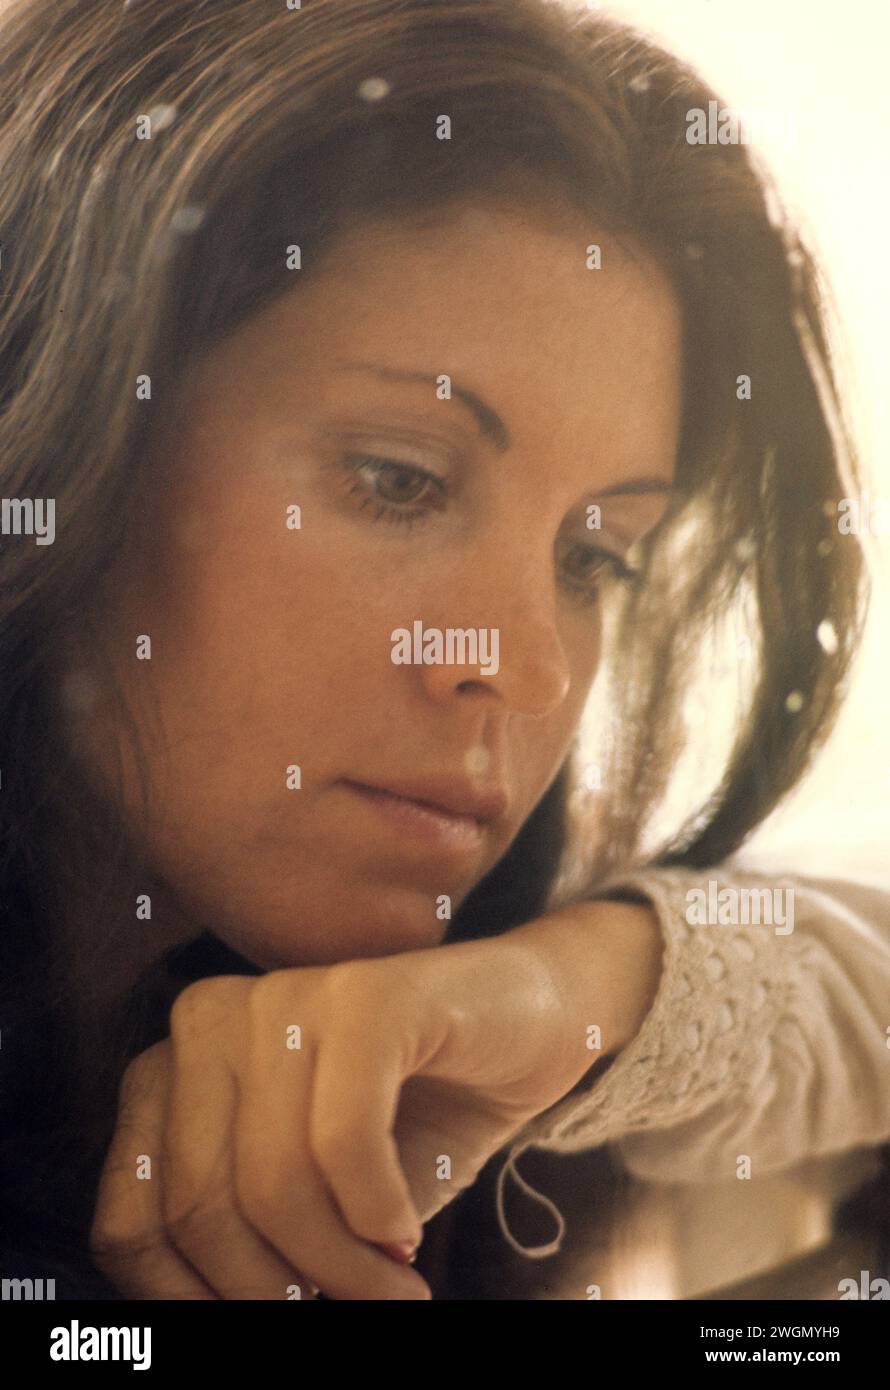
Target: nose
518	657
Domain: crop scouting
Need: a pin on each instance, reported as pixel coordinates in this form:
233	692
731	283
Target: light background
826	66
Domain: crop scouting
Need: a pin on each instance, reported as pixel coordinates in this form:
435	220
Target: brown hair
124	256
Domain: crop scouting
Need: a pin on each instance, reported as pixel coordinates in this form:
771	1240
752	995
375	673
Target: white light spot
640	83
187	219
724	1018
477	762
795	702
162	117
774	209
592	779
827	636
633	556
53	164
714	968
374	89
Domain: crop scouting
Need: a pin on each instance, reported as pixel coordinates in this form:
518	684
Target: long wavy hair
272	127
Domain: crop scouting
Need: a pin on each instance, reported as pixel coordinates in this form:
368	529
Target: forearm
605	959
746	1030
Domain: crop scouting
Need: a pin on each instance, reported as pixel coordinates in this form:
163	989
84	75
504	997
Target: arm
748	1039
605	949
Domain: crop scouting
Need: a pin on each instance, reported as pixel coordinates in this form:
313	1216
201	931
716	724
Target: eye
397	491
585	565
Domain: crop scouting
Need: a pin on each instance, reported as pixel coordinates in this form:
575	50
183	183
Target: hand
277	1167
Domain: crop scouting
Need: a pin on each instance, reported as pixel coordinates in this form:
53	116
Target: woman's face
272	646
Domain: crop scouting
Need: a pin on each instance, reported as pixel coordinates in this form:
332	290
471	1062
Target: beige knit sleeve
769	1035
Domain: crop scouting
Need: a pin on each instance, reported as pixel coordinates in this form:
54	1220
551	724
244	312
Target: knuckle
104	1240
335	1145
265	1203
195	1221
356	989
141	1071
190	1006
201	1003
114	1240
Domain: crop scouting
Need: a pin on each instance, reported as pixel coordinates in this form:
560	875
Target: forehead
504	298
555	268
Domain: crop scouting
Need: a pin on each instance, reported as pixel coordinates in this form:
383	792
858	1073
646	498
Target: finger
154	1270
127	1239
285	1195
235	1260
354	1103
201	1210
425	1132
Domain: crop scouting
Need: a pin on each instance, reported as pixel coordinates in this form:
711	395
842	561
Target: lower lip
421	820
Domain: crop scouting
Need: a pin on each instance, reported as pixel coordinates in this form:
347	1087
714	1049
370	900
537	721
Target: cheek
266	651
548	742
586	643
583	641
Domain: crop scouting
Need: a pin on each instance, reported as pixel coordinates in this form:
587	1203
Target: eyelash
388	511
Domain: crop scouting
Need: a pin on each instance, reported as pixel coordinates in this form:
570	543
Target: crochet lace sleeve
762	1040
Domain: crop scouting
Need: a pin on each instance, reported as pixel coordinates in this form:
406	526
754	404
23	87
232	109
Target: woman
349	338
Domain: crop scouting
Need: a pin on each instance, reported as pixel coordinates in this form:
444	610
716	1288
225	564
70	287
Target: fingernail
405	1251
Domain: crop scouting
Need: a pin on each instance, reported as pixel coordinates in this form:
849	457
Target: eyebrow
493	426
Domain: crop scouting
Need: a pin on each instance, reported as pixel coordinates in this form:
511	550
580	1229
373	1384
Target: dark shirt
48	1184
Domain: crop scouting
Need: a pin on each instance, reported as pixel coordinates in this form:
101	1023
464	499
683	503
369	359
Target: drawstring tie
534	1252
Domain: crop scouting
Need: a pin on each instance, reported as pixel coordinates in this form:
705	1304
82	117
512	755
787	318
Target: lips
453	796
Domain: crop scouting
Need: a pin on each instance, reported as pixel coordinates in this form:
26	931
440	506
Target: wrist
606	961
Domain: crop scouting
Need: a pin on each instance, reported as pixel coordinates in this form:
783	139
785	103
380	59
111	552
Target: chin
400	921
